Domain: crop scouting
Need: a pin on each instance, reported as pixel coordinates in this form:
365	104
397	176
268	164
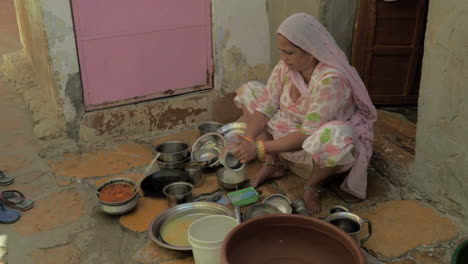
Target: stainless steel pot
178	193
173	151
350	223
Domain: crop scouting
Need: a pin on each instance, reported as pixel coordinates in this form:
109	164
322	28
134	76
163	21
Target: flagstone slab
102	162
68	254
147	209
13	163
399	226
53	211
152	253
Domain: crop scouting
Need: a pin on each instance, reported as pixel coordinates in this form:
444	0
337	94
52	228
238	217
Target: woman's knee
331	145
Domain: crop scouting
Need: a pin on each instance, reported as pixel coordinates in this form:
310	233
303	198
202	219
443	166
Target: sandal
8	216
5	180
15	199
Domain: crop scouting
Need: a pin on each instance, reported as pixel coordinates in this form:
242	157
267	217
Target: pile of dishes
207	149
172	154
169	229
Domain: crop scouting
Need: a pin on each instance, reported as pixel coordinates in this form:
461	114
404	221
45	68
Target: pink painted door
138	50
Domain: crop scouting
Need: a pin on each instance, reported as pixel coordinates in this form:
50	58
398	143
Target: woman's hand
243	149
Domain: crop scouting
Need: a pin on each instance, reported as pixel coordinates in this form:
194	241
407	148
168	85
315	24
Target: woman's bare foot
312	200
267	172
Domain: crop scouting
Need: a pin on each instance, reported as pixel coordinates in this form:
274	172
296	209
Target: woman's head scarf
306	32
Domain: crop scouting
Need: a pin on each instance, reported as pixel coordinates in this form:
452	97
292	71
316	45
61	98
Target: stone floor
65	225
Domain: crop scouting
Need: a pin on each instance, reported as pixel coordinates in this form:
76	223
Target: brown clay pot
292	239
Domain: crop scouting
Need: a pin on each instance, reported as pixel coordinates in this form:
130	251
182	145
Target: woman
314	110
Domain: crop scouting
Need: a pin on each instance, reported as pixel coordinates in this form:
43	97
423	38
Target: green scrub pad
243	197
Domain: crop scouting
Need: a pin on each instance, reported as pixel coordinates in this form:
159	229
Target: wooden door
388	47
138	50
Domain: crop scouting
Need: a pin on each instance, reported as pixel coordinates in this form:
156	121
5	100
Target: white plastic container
206	235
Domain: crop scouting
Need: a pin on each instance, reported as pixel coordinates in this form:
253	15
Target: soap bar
243	197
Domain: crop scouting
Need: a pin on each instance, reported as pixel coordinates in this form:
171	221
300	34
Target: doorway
388	48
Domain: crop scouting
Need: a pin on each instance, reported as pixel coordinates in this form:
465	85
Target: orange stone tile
153	253
147	209
132	176
102	162
55	210
68	254
428	257
405	225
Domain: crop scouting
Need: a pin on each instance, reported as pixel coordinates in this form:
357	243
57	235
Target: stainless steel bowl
179	211
117	208
231	180
173	151
173	165
279	201
178	193
208	149
209	127
231	129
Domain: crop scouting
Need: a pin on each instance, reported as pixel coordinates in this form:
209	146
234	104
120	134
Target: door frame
362	38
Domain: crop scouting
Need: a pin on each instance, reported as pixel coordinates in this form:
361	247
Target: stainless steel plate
279	201
181	210
260	209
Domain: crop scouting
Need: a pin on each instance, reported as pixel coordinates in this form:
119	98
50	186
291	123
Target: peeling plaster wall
241	45
34	39
441	171
279	10
63	55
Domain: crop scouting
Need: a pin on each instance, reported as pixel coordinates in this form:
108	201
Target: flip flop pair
5	180
8	216
15	199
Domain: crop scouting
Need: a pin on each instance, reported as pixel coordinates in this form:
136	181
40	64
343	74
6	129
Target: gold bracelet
261	152
248	138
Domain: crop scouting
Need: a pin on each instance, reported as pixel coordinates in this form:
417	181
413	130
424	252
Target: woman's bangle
261	150
248	138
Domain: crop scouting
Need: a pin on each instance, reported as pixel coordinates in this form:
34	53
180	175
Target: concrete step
394	147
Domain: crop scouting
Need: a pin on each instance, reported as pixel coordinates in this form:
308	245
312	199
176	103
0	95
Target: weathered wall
441	171
240	48
58	25
34	39
241	45
279	10
338	17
